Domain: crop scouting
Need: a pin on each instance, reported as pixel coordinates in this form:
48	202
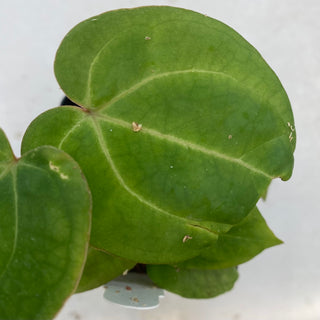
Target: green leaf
44	231
240	244
123	222
101	268
217	127
193	283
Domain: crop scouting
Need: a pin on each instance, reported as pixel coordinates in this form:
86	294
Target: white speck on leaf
171	167
110	130
230	136
55	168
186	238
290	136
147	38
136	127
63	176
290	126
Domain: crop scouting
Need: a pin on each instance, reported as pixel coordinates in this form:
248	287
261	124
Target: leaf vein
188	144
106	152
145	81
70	131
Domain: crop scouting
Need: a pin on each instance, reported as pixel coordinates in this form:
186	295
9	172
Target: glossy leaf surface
44	231
212	126
193	283
240	244
101	268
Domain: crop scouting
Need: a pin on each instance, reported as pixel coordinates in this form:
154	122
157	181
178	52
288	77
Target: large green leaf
123	222
44	231
193	283
240	244
101	268
217	127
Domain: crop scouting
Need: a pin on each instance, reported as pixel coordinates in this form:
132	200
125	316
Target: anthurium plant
181	128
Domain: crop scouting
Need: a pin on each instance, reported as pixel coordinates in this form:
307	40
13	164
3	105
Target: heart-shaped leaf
240	244
44	231
193	283
183	126
101	268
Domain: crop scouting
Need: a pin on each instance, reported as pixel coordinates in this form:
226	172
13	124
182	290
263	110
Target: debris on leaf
136	127
186	238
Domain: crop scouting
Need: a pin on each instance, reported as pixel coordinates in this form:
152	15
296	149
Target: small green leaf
101	268
193	283
240	244
44	231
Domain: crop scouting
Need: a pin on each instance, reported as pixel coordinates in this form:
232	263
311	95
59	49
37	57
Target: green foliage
44	229
241	243
193	283
181	129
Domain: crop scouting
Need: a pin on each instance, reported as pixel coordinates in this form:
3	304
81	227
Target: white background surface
283	283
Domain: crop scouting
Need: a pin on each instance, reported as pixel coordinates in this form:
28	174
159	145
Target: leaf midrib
186	144
158	134
92	118
243	238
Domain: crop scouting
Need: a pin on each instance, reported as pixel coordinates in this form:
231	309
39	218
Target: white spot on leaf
55	168
290	136
64	176
292	130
